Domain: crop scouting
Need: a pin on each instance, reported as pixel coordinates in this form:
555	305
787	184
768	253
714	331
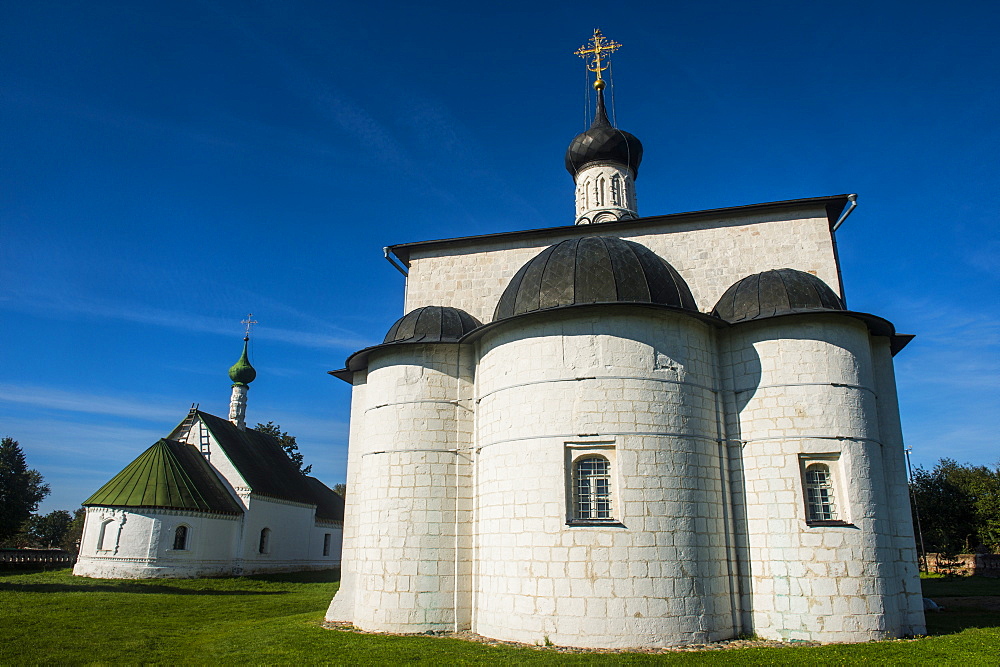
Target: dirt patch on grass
473	637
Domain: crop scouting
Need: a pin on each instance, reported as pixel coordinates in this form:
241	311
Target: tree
287	443
341	489
21	489
959	506
49	530
71	540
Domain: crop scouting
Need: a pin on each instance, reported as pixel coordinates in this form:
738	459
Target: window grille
593	488
819	494
180	538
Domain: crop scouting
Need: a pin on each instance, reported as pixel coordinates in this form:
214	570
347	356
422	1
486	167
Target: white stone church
213	498
631	432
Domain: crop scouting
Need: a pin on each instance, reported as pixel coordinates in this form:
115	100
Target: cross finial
249	321
597	55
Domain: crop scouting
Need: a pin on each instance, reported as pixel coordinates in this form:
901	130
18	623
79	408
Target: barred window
180	538
820	504
592	482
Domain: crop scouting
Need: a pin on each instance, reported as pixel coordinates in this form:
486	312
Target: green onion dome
242	373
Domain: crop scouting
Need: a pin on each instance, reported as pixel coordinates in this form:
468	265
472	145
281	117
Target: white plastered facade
138	542
462	456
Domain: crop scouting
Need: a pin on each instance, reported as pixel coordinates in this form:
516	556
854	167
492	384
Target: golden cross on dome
249	321
598	54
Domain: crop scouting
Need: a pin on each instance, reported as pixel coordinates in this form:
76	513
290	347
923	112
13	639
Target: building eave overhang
834	205
877	326
359	360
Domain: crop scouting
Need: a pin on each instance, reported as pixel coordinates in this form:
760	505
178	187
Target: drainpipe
853	199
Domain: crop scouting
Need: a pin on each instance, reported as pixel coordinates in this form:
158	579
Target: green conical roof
242	373
168	475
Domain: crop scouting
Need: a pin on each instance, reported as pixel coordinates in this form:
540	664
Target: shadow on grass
306	577
953	621
124	587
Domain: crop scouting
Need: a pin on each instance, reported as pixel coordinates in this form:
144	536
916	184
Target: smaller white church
213	498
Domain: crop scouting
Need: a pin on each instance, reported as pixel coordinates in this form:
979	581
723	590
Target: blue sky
166	168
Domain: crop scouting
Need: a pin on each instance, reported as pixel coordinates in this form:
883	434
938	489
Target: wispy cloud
148	409
58	304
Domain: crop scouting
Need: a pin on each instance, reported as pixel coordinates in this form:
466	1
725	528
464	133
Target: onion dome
775	292
242	373
603	143
431	324
593	269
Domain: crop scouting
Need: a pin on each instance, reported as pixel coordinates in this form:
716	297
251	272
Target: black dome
603	143
775	292
593	269
431	324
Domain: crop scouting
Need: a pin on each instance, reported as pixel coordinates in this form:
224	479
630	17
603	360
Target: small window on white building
326	544
592	488
180	538
265	541
591	484
819	485
108	537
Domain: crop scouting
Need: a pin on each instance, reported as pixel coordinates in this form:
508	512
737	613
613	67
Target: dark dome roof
431	324
775	292
603	143
593	269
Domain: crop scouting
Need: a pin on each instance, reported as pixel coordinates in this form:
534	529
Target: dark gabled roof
593	269
329	503
834	205
264	465
168	475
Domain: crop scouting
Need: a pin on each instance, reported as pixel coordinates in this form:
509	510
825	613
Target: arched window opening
326	544
107	537
180	538
592	483
265	540
600	190
616	190
820	504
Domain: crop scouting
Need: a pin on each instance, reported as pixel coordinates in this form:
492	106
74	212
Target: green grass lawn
53	617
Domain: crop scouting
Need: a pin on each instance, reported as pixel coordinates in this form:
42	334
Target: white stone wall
342	606
142	544
295	541
639	386
903	549
710	253
409	548
804	390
